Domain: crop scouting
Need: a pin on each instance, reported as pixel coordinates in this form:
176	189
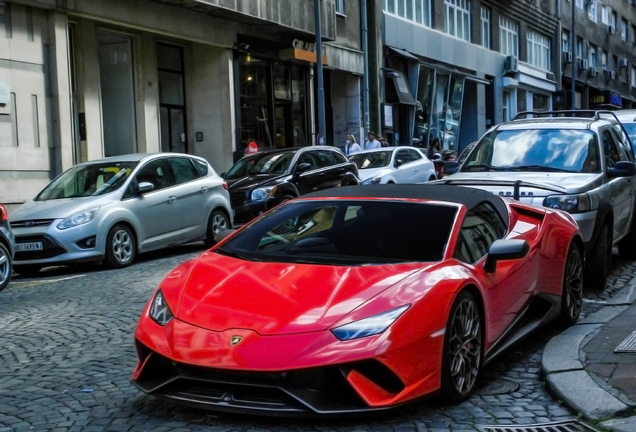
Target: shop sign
388	116
302	50
606	97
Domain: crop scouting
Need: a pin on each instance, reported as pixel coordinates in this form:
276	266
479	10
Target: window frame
340	7
509	32
539	50
421	12
485	27
193	169
460	10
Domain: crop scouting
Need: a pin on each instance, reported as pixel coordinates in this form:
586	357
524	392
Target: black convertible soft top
468	196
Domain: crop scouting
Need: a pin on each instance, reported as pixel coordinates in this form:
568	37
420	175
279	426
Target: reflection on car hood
58	208
279	298
253	181
573	182
373	172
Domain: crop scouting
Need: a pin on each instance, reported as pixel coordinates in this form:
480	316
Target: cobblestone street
66	354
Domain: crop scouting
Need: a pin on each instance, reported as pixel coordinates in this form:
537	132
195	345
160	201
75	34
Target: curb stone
621	425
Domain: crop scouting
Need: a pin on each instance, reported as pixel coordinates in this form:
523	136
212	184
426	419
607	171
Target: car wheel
5	267
627	245
597	263
432	178
462	348
120	247
218	222
27	270
572	291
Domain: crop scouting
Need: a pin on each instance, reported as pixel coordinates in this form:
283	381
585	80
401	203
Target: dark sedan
263	180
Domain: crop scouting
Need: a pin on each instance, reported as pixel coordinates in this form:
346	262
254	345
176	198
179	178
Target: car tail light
225	185
4	216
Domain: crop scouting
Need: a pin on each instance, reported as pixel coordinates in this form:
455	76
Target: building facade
450	69
604	53
86	79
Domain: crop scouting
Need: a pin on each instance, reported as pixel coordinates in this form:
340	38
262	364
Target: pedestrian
382	141
352	146
251	148
373	143
435	147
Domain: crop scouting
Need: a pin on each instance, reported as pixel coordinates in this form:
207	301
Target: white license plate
33	246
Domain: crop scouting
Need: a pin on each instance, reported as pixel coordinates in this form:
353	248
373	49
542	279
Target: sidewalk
584	370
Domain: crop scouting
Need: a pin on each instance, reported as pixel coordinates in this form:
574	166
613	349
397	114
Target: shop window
538	50
522	100
485	27
5	21
458	18
172	104
423	107
508	36
418	11
540	102
116	67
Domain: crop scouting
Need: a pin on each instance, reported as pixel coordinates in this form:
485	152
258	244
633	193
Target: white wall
346	105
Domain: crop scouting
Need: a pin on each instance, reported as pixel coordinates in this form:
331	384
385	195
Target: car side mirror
145	187
502	250
301	168
399	163
451	167
222	235
622	169
223	174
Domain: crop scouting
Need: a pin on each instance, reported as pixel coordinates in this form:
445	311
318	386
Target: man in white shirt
372	143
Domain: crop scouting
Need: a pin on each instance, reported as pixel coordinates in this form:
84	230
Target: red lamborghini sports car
358	299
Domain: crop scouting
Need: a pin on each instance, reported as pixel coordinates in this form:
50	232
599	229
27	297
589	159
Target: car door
309	180
331	174
621	188
192	197
157	210
420	171
405	172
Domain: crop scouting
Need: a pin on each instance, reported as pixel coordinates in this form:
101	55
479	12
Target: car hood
572	182
365	174
224	293
252	181
58	208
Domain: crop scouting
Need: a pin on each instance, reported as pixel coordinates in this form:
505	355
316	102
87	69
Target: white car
393	165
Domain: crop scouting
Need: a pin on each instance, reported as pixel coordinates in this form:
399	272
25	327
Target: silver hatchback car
115	208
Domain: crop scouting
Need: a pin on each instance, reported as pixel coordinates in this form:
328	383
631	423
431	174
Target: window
458	18
606	15
481	227
155	172
340	7
538	50
325	158
415	155
202	167
633	79
592	56
5	21
418	11
624	29
614	20
182	169
485	27
565	41
604	60
508	37
579	48
632	35
610	149
404	156
592	10
580	4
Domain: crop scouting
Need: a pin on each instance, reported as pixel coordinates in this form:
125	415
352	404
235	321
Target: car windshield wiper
484	167
539	168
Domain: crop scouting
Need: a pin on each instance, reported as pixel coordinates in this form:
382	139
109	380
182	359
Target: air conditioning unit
511	65
582	64
593	72
622	63
611	29
611	75
567	57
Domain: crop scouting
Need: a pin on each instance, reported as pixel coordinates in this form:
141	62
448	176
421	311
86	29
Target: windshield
339	232
274	163
549	150
88	180
631	131
371	160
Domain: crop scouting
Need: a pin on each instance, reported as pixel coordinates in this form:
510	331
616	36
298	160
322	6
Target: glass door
172	98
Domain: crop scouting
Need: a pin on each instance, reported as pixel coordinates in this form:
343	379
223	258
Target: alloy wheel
122	246
5	266
219	223
573	285
465	346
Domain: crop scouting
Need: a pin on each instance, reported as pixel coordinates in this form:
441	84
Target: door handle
204	189
172	199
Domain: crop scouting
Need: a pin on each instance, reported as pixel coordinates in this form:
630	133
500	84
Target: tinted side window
202	167
308	157
481	227
622	141
404	156
610	150
340	158
182	169
155	172
325	158
415	155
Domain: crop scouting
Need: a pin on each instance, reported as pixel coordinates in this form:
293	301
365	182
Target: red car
358	299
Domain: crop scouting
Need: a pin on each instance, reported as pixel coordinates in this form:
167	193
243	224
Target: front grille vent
31	223
565	426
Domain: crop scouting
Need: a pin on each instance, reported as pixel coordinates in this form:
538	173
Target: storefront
605	99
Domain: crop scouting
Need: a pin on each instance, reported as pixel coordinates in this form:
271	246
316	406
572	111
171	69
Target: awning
402	90
404	53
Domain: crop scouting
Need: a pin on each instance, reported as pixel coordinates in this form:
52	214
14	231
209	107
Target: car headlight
263	193
570	203
79	218
371	181
371	326
159	310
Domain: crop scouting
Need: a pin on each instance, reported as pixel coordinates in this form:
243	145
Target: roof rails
595	114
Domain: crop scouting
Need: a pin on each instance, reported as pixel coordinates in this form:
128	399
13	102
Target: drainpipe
322	123
574	57
364	29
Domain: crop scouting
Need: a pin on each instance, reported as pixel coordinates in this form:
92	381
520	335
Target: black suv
6	248
263	180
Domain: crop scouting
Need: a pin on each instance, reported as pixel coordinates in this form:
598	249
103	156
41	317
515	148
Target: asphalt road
66	353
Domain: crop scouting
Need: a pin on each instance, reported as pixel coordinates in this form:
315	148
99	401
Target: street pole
574	55
319	72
